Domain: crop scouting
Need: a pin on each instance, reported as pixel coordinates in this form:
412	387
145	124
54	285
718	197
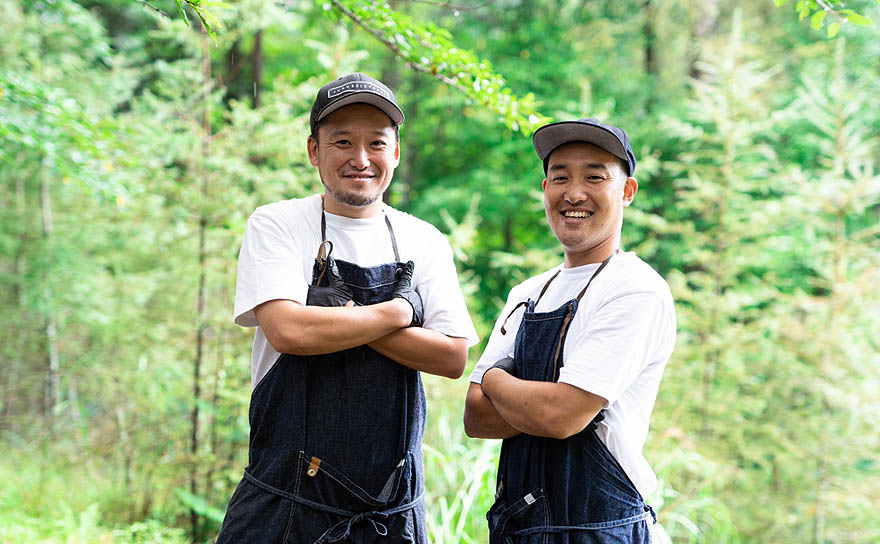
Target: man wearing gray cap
571	371
351	299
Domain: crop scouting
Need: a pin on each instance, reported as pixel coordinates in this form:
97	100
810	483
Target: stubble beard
352	199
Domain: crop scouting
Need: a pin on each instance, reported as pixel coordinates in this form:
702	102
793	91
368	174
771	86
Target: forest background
134	147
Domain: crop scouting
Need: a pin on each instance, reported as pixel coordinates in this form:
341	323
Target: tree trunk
650	38
407	179
257	62
213	433
201	317
705	25
391	77
17	300
53	378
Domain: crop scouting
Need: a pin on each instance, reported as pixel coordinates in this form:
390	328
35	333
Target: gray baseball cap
592	131
356	88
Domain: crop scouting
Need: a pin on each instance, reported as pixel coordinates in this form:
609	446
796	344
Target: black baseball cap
356	88
592	131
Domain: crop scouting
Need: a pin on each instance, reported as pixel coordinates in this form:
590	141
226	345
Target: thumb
349	304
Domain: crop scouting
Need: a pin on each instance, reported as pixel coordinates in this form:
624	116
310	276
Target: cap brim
549	137
372	99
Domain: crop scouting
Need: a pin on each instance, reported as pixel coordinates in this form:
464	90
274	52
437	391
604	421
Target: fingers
349	304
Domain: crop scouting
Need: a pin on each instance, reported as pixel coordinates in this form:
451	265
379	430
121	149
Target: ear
544	184
397	154
630	188
312	146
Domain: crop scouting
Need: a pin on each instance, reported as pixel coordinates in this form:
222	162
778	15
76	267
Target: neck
595	254
355	212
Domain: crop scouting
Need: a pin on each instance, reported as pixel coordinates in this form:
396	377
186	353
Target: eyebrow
593	165
345	132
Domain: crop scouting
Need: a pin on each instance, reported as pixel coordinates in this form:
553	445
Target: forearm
310	330
425	350
554	410
481	419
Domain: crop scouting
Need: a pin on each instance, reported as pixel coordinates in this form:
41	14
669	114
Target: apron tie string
334	534
353	518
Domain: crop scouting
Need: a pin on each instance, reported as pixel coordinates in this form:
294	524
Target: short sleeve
269	268
437	284
620	339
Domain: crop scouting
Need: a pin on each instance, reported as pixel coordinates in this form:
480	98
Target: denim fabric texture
569	491
336	443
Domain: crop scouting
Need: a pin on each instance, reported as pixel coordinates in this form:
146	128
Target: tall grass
59	494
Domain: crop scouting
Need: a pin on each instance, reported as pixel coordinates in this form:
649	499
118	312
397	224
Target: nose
360	158
575	193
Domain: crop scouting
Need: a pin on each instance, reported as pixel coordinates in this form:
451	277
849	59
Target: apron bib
569	491
335	445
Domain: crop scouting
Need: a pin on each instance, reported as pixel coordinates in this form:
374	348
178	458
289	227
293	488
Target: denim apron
569	491
335	444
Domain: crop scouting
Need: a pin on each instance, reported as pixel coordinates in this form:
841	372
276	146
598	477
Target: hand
507	365
405	291
336	293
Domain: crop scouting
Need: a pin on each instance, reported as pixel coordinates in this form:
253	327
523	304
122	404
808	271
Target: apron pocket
528	512
330	507
254	515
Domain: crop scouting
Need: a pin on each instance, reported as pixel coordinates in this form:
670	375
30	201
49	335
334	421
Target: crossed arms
293	328
503	406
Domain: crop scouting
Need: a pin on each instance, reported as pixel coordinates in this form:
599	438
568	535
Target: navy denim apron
569	491
335	444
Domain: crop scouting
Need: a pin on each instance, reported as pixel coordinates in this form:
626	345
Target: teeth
577	214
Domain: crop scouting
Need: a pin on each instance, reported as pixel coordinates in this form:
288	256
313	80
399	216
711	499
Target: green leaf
207	15
817	18
856	18
833	29
218	4
182	12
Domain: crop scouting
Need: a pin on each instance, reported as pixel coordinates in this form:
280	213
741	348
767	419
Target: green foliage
459	472
430	49
759	200
818	10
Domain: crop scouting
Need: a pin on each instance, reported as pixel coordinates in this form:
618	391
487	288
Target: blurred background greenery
134	147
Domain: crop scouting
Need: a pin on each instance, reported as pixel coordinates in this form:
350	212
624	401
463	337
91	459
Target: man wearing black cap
571	371
351	299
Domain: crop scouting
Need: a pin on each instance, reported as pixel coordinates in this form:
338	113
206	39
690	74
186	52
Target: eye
559	179
343	143
595	178
379	143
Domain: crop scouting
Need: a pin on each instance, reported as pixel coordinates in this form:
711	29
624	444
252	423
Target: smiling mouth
577	214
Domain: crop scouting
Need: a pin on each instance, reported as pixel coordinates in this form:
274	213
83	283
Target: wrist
490	379
403	312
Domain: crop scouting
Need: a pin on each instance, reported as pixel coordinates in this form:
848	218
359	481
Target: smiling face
356	152
585	191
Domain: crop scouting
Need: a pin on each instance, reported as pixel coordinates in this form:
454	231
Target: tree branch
158	10
452	7
393	47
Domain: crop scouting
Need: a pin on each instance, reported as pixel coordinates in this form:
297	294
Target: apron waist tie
341	530
648	513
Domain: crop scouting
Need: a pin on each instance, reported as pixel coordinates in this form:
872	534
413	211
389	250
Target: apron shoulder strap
322	255
596	273
393	238
569	314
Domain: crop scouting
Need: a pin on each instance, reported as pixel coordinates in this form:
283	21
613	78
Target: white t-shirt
279	250
617	347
